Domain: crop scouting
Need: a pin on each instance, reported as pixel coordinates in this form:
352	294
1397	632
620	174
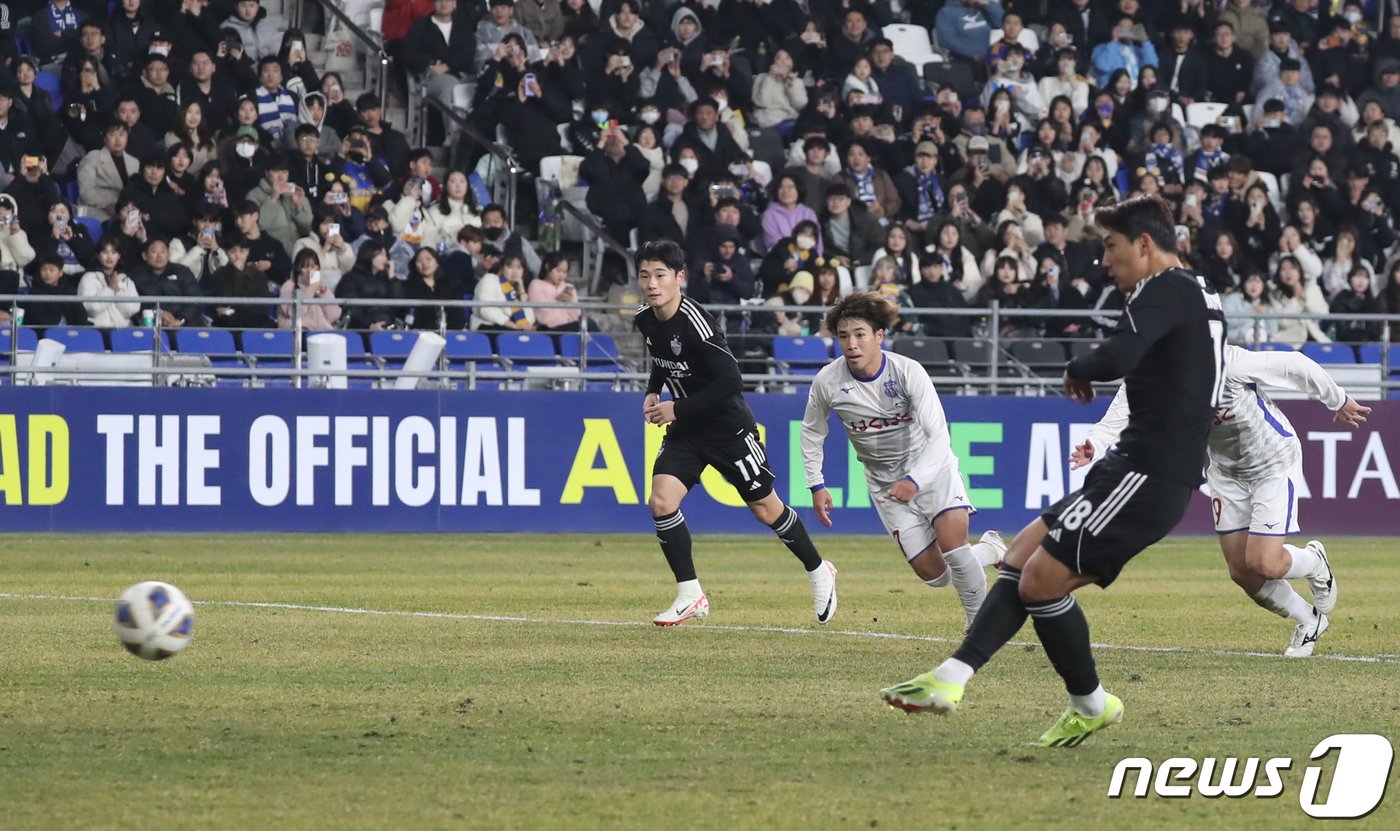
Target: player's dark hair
667	252
869	306
1140	215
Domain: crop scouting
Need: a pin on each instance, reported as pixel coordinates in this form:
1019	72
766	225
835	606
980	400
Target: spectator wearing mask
237	278
493	226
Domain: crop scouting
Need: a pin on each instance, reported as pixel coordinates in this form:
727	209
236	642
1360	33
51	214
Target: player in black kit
1169	347
710	426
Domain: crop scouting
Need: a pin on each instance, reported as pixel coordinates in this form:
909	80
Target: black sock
674	536
1064	633
793	533
1002	615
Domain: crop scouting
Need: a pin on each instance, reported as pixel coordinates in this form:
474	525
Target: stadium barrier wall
234	460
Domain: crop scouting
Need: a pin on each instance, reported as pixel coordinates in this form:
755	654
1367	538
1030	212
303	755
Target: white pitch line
711	627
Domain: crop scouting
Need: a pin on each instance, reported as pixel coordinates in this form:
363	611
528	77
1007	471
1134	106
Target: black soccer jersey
1169	347
689	355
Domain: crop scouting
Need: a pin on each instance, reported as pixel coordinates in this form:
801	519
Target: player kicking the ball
1169	345
711	426
894	420
1253	455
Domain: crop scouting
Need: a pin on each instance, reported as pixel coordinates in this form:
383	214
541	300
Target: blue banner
189	460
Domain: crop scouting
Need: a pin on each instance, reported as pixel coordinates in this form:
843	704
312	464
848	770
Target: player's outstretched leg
674	536
789	527
1001	617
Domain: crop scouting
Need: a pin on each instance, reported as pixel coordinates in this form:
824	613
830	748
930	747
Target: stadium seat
48	82
78	340
269	349
94	227
1201	113
974	354
1080	348
912	43
392	347
216	344
472	351
136	339
27	339
1330	353
931	352
1039	356
526	349
603	354
1370	353
800	356
955	74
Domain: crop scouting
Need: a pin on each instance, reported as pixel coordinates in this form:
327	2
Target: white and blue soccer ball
154	620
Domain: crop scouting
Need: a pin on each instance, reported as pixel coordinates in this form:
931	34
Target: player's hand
823	504
1351	413
1081	455
1077	390
902	491
649	403
664	412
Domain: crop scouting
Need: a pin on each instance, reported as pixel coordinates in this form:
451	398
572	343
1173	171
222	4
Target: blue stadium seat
136	339
602	351
526	349
468	350
270	349
801	355
1274	347
48	82
217	344
1370	353
1330	353
392	347
28	339
94	228
78	340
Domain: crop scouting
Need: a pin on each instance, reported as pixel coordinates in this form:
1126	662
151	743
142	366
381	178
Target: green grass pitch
505	711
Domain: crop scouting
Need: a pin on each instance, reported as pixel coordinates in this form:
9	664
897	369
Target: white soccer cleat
993	538
1322	583
683	609
1305	636
823	591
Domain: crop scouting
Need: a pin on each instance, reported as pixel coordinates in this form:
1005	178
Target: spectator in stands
284	209
277	111
1355	299
387	144
813	174
507	287
34	192
899	249
429	283
544	19
332	250
311	113
56	28
1345	256
37	102
900	82
265	253
236	278
18	136
553	286
872	187
315	317
309	169
615	172
934	290
493	225
1012	246
336	197
1247	312
157	277
1314	228
778	94
109	280
1231	72
92	41
787	208
200	251
648	142
161	210
53	282
1281	47
849	231
673	214
579	19
460	259
70	242
190	128
1124	50
154	96
205	86
15	251
1288	88
441	48
501	22
725	276
372	278
713	143
103	174
965	27
340	113
801	251
365	174
1292	293
248	21
1250	25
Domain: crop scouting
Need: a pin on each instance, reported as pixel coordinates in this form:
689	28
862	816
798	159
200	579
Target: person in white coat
895	422
1255	460
109	281
15	250
333	253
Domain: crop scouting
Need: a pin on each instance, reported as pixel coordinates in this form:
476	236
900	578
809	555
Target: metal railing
1001	372
377	60
596	242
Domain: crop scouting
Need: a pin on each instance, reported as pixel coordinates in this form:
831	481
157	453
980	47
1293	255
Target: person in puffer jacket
259	39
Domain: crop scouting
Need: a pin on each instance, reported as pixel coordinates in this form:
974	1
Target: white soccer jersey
894	420
1250	437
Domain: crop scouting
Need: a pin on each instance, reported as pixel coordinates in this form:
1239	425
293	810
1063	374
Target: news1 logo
1359	777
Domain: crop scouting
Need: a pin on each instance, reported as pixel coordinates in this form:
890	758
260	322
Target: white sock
941	580
953	671
1305	562
688	590
987	555
1280	598
968	578
1091	705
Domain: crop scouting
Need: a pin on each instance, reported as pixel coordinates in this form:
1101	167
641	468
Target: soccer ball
154	620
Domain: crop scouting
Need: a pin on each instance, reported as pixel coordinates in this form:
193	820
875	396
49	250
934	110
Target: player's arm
814	432
1104	434
1147	318
928	415
1294	371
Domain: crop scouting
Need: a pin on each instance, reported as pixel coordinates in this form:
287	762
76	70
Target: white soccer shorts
911	523
1266	507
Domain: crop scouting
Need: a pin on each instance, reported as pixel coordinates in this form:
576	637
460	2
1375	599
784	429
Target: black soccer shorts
1116	515
740	459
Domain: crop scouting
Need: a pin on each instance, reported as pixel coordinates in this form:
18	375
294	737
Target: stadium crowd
183	149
